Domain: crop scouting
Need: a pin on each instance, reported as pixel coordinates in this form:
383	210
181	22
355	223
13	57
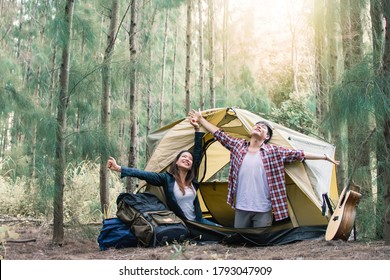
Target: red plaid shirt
273	158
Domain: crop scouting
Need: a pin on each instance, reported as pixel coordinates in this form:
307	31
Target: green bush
20	197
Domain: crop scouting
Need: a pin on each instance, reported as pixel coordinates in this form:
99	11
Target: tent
306	182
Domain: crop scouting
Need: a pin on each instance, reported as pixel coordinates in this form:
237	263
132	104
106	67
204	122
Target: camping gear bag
115	233
149	219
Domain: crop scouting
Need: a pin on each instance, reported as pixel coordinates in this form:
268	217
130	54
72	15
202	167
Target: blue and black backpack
116	234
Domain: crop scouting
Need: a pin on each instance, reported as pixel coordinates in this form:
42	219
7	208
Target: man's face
260	130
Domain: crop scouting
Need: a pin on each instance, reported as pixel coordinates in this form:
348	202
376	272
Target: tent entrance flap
214	196
301	209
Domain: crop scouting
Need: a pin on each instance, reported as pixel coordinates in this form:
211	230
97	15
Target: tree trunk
346	32
105	108
150	80
225	48
319	9
376	13
60	161
133	148
211	50
345	24
36	104
332	20
173	82
201	63
188	56
53	78
149	100
163	66
352	33
294	56
19	41
359	162
385	172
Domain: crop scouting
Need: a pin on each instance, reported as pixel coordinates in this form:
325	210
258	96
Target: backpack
115	233
149	219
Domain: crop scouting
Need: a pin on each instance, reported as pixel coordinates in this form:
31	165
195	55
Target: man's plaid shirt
273	158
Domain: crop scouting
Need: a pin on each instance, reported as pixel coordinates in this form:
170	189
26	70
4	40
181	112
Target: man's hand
335	162
195	116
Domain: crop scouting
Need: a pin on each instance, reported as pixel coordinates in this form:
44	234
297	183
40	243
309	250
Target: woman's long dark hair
174	170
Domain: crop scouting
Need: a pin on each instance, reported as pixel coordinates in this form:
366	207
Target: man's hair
269	130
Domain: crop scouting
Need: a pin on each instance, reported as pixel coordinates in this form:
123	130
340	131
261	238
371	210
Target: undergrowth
22	198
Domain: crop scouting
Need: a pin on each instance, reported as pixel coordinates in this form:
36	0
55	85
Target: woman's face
185	161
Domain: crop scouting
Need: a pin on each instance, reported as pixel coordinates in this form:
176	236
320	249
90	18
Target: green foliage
81	195
12	97
15	164
16	199
369	218
169	3
260	77
178	250
248	94
353	98
295	114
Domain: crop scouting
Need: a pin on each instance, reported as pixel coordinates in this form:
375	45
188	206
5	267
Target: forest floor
34	242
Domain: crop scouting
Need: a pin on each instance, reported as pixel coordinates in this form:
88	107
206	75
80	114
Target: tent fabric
305	182
267	236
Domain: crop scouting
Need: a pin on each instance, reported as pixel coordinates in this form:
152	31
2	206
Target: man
256	184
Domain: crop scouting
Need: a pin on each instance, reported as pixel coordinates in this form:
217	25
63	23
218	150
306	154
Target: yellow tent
305	182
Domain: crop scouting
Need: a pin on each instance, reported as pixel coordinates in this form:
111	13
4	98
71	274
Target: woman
179	183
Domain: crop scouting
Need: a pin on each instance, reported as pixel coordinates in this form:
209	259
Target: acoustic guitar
343	217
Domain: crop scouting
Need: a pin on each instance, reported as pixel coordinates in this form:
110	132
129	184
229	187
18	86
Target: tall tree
319	8
201	58
225	47
376	13
345	25
163	67
36	99
188	56
385	171
332	22
173	78
294	53
361	161
133	148
345	17
331	72
149	76
357	118
63	101
105	105
211	53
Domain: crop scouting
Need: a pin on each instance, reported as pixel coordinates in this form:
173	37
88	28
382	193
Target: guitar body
343	218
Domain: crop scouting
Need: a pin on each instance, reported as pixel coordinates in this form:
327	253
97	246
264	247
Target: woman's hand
195	115
194	123
111	164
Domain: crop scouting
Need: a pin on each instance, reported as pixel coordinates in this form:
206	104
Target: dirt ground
34	243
